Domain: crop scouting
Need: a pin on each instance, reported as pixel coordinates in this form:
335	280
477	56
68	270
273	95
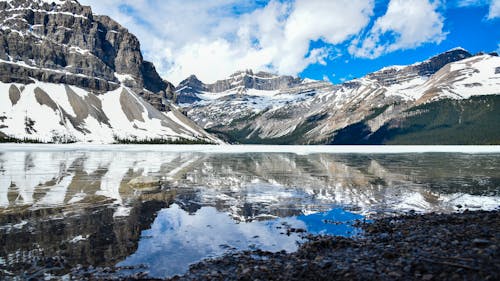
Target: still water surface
79	205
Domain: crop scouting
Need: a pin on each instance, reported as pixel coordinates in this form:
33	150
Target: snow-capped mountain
59	113
454	90
239	83
67	74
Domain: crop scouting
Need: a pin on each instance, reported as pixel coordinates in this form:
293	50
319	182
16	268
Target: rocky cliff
398	74
67	74
64	42
239	82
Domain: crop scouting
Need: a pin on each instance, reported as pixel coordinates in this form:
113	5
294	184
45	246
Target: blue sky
320	39
467	27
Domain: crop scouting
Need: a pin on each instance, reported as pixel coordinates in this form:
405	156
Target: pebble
414	247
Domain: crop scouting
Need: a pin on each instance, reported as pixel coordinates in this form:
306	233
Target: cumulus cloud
406	24
494	9
213	39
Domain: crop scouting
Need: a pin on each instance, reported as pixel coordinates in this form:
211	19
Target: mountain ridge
240	80
313	112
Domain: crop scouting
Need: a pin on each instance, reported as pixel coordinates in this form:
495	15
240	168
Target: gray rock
394	75
145	183
240	81
66	43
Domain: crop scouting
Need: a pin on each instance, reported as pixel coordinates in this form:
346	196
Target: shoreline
238	149
457	246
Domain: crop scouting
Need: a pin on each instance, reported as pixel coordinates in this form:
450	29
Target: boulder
145	183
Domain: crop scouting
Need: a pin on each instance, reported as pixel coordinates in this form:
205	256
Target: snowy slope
311	112
60	113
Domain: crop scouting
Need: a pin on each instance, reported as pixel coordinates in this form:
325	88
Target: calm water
80	205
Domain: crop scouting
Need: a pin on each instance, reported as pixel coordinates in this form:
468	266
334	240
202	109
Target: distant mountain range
452	98
68	75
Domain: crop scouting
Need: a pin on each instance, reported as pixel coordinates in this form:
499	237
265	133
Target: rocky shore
461	246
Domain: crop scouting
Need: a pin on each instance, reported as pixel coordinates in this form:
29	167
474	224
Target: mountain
239	83
451	98
67	74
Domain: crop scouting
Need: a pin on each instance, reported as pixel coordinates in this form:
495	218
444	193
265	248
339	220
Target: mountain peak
395	74
42	4
240	80
250	73
457	49
93	49
451	55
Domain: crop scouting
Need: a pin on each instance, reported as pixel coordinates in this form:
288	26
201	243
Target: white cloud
209	39
494	9
410	23
494	6
468	3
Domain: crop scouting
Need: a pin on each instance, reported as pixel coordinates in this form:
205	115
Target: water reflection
84	199
177	239
334	222
253	185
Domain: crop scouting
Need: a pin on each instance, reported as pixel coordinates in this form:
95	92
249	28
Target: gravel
460	246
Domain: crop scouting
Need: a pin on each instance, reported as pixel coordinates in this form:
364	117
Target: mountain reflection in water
177	239
80	207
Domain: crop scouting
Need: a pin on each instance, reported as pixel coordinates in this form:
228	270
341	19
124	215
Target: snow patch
78	238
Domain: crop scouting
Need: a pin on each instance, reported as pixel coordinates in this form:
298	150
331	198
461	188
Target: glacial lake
65	209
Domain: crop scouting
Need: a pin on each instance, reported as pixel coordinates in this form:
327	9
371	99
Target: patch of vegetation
160	141
240	136
376	112
7	139
357	133
471	121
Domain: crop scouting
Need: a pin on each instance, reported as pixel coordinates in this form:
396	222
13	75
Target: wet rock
412	247
427	277
481	242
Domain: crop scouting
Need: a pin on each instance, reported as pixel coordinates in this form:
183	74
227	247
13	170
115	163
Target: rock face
240	82
374	109
67	74
400	74
63	42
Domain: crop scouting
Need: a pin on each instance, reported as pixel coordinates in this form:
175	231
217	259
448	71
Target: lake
158	209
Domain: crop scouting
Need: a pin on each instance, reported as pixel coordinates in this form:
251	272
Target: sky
335	40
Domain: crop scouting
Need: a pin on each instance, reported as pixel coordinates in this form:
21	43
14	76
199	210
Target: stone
145	183
481	242
427	277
